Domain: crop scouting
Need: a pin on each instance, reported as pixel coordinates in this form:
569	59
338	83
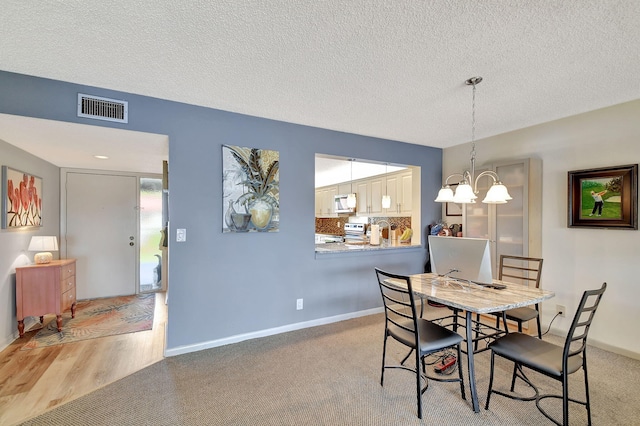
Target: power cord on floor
444	362
552	319
437	357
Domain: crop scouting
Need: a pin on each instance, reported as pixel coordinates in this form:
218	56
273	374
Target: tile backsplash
330	225
335	225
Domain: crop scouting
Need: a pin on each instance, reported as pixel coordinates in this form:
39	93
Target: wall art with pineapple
250	189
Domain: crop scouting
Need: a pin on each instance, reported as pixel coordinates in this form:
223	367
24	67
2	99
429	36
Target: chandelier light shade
351	198
445	195
464	193
497	194
44	245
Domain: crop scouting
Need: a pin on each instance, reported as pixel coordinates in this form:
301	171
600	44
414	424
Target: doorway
111	223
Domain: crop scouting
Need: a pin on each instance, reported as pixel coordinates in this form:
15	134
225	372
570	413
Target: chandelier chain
473	123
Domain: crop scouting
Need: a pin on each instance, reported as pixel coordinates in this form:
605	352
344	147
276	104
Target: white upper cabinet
369	196
369	192
325	206
399	187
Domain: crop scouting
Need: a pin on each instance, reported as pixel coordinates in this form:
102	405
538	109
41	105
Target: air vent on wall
98	108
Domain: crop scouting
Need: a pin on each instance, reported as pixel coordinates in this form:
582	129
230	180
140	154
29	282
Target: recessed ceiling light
101	157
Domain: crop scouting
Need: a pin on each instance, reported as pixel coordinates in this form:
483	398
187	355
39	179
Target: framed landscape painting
21	199
604	198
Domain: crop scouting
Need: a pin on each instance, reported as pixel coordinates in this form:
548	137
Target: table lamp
44	245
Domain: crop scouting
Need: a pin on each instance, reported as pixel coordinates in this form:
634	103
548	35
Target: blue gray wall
225	285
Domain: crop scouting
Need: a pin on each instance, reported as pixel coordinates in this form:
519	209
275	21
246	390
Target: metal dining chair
404	325
525	271
556	362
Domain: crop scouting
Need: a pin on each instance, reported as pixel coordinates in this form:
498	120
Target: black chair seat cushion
522	314
433	337
535	353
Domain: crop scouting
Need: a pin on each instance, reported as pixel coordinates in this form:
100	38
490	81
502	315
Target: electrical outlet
181	235
299	304
561	310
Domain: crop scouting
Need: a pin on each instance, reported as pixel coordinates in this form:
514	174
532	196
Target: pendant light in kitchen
351	198
386	198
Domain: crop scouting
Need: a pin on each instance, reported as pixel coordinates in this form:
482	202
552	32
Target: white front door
101	233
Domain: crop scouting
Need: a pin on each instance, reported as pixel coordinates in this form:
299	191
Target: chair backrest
576	340
398	300
520	270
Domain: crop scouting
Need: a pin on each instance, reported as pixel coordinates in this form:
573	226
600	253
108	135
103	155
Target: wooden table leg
21	327
59	322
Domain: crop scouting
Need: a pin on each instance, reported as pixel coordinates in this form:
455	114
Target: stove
355	233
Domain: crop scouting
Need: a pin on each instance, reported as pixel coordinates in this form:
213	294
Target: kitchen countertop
342	247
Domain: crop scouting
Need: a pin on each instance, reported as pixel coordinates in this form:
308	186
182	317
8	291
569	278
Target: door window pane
150	234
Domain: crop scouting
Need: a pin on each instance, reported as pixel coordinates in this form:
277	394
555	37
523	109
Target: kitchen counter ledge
330	248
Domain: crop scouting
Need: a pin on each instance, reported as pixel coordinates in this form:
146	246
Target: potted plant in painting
259	170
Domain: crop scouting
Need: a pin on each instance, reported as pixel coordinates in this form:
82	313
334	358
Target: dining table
474	298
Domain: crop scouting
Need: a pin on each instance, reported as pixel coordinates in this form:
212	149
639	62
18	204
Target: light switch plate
181	235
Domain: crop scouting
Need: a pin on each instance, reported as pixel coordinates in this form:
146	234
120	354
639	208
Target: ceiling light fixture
101	157
386	199
464	193
351	198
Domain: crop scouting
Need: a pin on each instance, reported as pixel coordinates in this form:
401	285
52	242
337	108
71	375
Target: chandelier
464	193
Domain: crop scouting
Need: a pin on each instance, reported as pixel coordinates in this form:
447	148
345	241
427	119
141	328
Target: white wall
578	259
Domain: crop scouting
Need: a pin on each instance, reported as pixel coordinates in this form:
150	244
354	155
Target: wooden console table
44	289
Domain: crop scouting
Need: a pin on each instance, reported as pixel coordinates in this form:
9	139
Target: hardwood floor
34	381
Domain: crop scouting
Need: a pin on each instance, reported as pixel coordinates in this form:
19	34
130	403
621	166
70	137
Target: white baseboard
268	332
600	345
7	340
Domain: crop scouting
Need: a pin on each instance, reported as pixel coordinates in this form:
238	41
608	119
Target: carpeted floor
98	318
330	375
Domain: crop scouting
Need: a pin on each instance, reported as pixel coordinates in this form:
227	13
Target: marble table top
472	297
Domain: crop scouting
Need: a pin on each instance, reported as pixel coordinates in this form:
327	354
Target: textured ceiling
391	69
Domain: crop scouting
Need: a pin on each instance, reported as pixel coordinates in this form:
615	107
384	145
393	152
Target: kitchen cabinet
369	192
325	201
399	188
369	196
344	188
514	228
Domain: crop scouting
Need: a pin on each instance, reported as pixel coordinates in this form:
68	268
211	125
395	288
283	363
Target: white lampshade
497	194
351	200
464	194
43	244
386	201
445	195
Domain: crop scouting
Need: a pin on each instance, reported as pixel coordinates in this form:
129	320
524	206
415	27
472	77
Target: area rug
98	318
